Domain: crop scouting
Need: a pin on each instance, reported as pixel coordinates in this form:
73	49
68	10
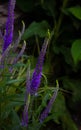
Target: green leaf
15	80
15	118
44	101
19	65
66	53
58	108
76	11
35	28
5	111
76	51
74	87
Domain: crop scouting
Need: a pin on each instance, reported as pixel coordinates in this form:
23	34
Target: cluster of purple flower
7	39
33	84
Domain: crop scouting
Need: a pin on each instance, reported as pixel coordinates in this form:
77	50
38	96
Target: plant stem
55	31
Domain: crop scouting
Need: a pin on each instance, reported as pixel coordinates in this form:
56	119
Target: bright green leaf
76	51
76	11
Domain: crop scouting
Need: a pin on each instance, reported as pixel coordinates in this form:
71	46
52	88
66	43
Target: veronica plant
33	84
9	46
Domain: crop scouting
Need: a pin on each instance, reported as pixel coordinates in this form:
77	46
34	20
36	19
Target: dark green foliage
36	29
27	5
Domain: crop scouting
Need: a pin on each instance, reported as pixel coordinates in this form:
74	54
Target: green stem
55	31
60	19
37	43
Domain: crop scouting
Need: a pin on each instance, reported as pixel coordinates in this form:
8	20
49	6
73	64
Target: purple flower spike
49	106
25	117
8	37
36	78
